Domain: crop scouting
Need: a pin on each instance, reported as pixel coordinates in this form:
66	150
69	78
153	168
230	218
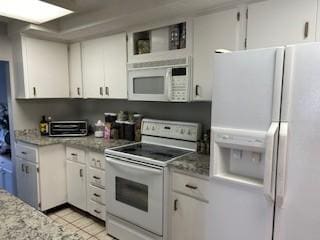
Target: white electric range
138	180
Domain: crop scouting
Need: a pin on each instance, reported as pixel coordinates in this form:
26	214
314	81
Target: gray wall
93	110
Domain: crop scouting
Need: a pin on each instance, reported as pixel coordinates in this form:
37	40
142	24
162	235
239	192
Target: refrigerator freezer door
298	214
246	106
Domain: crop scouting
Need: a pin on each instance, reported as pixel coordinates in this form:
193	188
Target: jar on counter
111	131
138	121
129	131
99	129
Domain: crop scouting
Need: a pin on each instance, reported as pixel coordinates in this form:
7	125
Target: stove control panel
170	129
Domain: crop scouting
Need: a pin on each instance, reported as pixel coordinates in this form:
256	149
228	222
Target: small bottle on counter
43	126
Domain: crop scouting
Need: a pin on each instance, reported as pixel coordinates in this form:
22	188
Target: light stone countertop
90	143
19	221
194	163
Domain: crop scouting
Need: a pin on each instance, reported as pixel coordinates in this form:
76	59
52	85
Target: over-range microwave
167	81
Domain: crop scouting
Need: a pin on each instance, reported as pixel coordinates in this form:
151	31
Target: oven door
135	193
149	84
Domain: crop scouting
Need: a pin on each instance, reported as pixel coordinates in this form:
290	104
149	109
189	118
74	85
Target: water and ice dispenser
239	155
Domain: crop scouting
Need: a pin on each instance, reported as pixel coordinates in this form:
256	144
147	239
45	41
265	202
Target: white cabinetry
104	67
189	208
219	30
75	71
96	198
41	180
76	178
41	68
281	22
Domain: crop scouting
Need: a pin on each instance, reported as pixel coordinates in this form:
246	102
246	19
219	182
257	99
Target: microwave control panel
180	85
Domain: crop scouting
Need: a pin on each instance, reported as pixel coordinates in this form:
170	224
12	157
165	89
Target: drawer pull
81	173
96	211
74	154
24	153
97	195
191	187
175	207
95	177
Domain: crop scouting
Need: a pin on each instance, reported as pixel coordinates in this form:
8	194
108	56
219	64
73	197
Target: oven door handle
134	166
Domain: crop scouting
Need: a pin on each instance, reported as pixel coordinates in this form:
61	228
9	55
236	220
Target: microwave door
148	85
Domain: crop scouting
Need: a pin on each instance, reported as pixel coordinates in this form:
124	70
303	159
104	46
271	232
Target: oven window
132	193
148	85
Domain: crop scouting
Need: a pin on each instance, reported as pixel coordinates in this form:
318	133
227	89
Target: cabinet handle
197	90
34	91
101	91
78	91
27	170
81	173
22	168
306	30
97	195
95	177
74	154
175	207
107	91
96	211
24	153
191	187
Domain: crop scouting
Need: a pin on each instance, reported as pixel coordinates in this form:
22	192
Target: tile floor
86	226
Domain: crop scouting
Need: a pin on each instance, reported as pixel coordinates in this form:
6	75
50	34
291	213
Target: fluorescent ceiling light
34	11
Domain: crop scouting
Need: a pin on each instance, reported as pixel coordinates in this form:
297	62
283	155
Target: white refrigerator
265	161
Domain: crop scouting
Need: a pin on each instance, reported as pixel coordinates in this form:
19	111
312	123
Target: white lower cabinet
40	175
189	213
86	181
76	184
6	176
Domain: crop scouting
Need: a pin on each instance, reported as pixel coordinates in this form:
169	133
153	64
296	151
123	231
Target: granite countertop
20	221
90	142
194	163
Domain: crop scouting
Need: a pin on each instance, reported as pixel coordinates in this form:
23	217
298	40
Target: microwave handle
169	82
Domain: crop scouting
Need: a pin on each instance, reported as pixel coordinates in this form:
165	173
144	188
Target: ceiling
102	17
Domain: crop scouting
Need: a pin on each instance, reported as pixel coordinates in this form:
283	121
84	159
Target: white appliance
137	179
160	80
265	141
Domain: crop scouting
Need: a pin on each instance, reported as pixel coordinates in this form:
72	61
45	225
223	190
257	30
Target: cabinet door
27	182
188	218
93	68
116	66
75	71
281	22
1	178
76	184
219	30
46	68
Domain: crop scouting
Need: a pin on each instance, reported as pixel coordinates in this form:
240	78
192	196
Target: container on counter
122	116
110	126
120	125
129	131
99	129
137	118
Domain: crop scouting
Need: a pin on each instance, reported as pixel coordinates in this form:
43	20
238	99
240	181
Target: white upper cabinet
93	68
281	22
41	68
219	30
75	71
104	67
116	66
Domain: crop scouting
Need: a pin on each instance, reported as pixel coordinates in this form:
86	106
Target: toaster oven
68	128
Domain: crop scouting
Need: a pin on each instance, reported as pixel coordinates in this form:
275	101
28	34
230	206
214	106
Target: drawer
97	160
97	210
76	155
26	153
96	194
97	177
191	186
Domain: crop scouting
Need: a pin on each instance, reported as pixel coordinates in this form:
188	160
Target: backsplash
93	110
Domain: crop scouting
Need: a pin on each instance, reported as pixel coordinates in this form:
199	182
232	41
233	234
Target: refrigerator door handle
282	164
270	156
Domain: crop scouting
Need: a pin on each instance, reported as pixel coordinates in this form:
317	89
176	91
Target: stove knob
189	132
182	131
153	128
